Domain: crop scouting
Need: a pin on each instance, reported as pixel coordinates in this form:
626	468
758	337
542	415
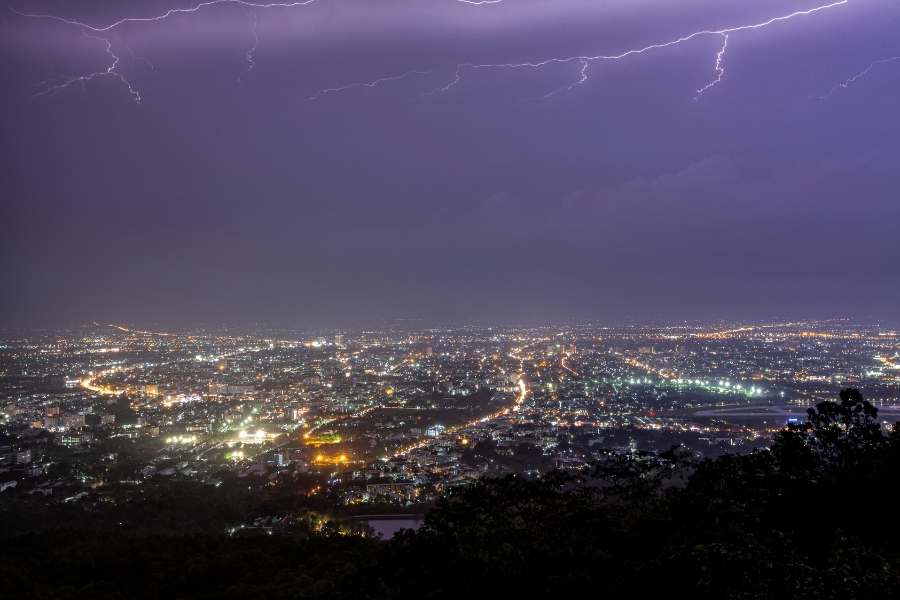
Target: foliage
809	518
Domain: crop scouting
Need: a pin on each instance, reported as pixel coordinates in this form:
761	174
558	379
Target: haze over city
405	299
517	195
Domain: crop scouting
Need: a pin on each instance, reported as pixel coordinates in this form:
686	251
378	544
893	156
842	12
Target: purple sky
227	196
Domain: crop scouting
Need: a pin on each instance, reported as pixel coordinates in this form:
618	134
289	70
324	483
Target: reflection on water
385	528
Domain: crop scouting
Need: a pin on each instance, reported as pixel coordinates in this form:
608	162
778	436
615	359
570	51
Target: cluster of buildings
399	417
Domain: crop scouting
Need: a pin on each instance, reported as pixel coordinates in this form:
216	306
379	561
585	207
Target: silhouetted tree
810	518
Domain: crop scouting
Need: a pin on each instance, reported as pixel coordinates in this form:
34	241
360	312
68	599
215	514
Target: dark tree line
811	517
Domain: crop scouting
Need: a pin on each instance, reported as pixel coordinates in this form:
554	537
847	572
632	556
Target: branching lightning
583	76
585	61
456	79
851	80
196	8
250	55
368	84
719	68
110	71
165	15
87	27
724	33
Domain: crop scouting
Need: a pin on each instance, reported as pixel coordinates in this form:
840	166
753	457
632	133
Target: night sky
518	195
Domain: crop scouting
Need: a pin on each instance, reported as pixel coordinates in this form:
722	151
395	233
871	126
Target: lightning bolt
585	66
250	55
723	33
111	71
851	80
165	15
719	68
584	60
368	84
196	8
456	79
160	17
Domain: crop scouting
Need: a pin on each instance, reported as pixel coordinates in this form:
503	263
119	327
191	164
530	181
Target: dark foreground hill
815	516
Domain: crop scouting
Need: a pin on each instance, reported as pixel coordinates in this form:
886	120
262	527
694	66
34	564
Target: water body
779	414
385	526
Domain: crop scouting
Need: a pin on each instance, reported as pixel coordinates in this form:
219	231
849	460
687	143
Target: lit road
520	399
562	363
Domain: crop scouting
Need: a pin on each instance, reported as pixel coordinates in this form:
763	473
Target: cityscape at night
427	299
361	433
400	417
